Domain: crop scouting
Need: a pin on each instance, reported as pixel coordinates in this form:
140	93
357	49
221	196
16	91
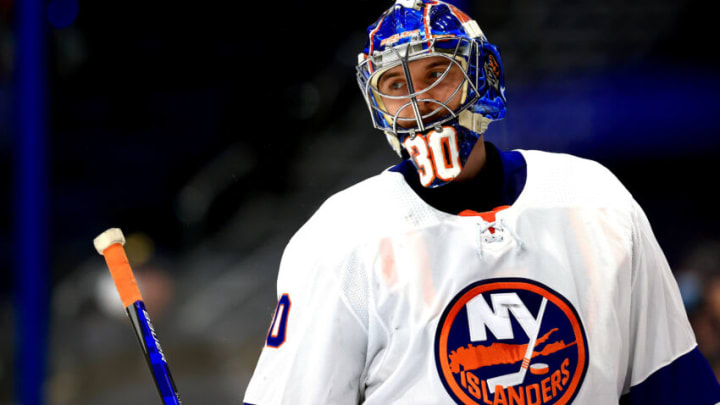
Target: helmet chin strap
394	142
473	121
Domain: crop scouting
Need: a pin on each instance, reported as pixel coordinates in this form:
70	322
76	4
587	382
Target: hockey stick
110	244
513	379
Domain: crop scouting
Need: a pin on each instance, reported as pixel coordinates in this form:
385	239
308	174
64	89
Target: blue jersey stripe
687	380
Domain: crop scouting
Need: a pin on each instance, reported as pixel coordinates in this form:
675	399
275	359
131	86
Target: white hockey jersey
563	297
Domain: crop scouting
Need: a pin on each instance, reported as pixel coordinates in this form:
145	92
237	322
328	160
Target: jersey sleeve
316	345
665	365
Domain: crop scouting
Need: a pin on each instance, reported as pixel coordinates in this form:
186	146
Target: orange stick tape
122	274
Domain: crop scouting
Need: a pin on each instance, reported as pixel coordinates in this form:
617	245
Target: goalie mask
432	83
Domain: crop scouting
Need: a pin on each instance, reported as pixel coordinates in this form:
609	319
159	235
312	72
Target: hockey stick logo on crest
510	341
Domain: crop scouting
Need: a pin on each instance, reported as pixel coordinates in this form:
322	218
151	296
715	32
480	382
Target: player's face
425	73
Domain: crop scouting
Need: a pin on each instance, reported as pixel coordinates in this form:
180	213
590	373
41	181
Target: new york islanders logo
510	341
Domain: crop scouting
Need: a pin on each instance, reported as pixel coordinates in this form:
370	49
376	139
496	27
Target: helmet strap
394	142
474	121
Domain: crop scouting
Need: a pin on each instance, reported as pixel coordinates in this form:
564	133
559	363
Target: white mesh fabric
415	213
355	288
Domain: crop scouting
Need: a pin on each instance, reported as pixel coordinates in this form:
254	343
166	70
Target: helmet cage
463	53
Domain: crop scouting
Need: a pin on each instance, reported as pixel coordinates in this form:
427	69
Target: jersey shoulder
349	220
564	179
380	205
349	214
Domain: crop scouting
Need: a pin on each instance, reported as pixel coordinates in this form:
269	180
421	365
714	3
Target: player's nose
430	108
425	108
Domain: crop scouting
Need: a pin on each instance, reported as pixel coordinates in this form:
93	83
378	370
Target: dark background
209	132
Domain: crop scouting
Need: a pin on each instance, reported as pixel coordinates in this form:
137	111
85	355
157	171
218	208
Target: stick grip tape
122	274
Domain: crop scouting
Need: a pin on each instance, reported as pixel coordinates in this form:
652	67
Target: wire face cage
399	83
428	72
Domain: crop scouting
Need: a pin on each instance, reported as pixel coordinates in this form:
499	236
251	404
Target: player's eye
394	87
397	85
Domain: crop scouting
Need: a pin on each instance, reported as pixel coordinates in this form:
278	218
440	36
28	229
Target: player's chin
428	121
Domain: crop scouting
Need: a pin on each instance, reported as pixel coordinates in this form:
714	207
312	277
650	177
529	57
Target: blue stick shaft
153	353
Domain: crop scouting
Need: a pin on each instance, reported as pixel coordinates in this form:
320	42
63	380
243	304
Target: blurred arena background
209	132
